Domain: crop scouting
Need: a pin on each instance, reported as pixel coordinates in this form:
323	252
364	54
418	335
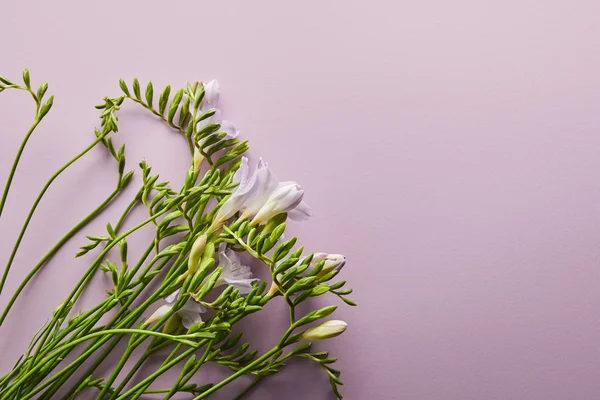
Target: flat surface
450	149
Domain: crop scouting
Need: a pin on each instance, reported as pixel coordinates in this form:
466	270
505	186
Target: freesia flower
279	196
212	91
189	313
285	198
261	196
233	272
265	183
239	194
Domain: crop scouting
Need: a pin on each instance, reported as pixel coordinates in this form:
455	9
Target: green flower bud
196	253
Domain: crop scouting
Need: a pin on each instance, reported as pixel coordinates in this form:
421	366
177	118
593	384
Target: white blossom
189	313
233	272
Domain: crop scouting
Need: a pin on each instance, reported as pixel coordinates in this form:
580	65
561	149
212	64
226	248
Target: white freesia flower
189	313
239	195
265	183
285	198
261	196
212	91
233	272
268	188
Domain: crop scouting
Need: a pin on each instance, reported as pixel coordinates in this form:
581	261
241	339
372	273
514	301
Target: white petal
172	297
241	175
230	129
266	183
212	91
189	318
243	285
193	306
159	313
302	212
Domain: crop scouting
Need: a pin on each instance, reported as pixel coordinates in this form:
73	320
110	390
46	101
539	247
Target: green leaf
42	90
149	93
124	88
26	78
46	107
136	88
287	264
283	249
348	301
175	105
185	111
301	284
164	99
5	81
315	315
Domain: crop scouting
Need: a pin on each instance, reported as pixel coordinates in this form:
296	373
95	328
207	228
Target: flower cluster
229	211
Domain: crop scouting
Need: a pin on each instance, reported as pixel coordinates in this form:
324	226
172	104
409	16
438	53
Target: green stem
156	374
239	373
15	163
181	339
249	387
132	317
32	210
53	250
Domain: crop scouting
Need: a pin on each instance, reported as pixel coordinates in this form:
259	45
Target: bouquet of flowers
189	288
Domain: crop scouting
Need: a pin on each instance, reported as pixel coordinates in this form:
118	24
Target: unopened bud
326	330
158	314
198	158
273	290
196	253
332	261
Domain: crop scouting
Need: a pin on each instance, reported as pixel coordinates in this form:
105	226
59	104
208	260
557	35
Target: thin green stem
245	391
156	374
239	373
53	251
184	339
32	210
13	169
131	317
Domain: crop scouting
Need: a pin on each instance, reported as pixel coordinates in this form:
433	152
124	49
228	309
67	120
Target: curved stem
181	339
52	251
239	373
13	169
33	208
249	387
156	374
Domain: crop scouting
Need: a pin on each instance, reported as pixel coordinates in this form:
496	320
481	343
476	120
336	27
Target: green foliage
134	307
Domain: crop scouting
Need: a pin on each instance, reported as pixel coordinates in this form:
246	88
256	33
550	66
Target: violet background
450	149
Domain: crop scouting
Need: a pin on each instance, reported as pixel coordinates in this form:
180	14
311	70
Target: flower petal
302	212
243	285
172	297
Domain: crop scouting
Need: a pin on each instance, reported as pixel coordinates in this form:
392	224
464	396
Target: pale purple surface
450	149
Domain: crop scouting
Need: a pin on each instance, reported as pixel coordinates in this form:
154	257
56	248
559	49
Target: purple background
451	149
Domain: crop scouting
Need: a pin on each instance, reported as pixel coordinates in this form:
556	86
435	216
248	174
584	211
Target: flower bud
198	158
332	261
272	290
196	253
285	198
325	330
158	314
